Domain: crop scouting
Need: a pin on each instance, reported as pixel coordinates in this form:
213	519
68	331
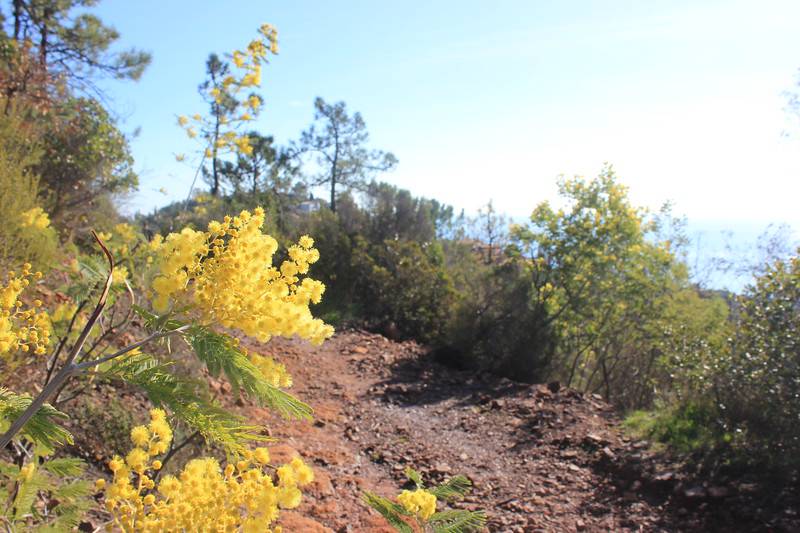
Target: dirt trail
541	459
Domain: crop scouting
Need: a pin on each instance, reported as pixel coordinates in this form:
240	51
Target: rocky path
542	458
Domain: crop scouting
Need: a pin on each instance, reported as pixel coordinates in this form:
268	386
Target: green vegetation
419	505
594	292
686	428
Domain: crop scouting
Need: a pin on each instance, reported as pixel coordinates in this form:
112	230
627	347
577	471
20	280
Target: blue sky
483	100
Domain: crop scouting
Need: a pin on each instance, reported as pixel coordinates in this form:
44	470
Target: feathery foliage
389	510
65	466
457	521
414	476
46	493
220	353
42	428
453	489
187	399
420	506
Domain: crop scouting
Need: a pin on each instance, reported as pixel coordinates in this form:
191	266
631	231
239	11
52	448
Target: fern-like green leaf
74	490
8	469
69	513
459	521
187	399
65	466
388	509
414	476
154	377
154	322
41	428
221	355
218	425
93	271
26	494
453	489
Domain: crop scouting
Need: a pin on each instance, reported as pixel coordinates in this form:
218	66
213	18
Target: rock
718	493
593	439
599	509
748	488
282	453
322	485
696	493
441	469
664	477
497	404
580	525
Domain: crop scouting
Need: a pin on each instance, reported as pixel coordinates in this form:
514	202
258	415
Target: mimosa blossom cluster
227	275
419	502
35	218
243	496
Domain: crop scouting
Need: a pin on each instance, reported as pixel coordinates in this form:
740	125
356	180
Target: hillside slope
542	458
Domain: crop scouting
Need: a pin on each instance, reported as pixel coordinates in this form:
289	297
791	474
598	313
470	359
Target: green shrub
496	326
758	382
334	267
687	428
403	283
739	393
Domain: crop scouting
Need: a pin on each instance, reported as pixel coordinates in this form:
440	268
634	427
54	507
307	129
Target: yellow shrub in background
22	328
25	234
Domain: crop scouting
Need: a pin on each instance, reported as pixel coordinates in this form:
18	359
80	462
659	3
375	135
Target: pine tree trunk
17	19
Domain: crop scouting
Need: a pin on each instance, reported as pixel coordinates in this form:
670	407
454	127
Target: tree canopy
338	143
